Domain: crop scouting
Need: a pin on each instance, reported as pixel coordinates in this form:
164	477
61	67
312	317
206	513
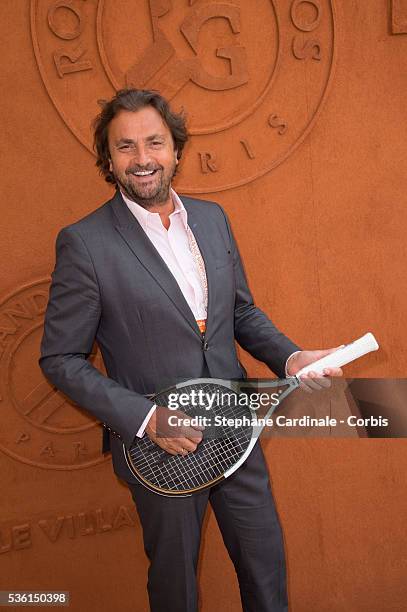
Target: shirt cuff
287	362
140	432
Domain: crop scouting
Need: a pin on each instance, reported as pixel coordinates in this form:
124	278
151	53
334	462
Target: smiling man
142	157
156	279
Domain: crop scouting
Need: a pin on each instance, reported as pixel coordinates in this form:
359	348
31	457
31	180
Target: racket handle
343	355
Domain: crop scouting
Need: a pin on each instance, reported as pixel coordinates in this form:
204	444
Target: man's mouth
142	173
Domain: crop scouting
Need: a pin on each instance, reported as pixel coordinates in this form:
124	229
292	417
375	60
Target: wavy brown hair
133	100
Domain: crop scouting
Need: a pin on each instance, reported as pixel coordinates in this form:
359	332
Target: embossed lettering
80	449
208	162
276	122
299	21
147	71
33	399
248	149
191	27
52	527
73	65
23	438
86	526
21	536
122	518
238	72
19	310
38	302
308	49
92	522
398	17
156	55
101	524
70	526
48	449
60	30
25	309
4	332
190	45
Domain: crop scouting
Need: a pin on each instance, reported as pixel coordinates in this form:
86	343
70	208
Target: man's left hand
312	381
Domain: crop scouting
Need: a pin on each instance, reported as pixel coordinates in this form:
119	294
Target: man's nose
141	156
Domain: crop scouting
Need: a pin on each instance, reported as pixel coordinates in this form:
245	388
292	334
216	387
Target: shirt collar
145	217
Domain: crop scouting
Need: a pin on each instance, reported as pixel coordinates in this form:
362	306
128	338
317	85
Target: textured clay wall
298	122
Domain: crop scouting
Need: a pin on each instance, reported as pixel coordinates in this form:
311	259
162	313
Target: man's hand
175	439
312	380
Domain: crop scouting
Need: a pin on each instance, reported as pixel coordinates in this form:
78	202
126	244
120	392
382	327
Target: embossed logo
251	76
40	426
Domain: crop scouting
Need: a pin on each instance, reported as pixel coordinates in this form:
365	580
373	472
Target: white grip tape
343	355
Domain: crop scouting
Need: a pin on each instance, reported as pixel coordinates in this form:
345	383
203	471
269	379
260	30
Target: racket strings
213	456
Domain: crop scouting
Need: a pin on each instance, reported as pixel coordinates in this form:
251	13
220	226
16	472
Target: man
157	280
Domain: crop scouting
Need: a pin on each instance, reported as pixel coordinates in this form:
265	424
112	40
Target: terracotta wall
297	111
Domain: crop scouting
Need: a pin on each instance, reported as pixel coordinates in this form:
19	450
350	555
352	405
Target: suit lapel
140	245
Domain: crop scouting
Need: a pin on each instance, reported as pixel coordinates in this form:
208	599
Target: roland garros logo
41	426
252	76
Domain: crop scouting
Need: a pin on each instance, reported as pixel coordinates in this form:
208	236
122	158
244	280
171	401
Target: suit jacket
111	285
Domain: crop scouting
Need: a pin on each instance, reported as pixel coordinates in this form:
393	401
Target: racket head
216	457
183	475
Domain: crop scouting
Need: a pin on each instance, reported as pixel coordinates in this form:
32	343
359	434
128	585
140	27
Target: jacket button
205	346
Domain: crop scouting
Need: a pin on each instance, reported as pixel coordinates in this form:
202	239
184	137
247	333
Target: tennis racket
232	426
231	431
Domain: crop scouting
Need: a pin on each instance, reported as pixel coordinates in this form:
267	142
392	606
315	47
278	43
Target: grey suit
110	284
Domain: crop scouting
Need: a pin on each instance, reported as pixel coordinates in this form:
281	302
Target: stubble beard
147	195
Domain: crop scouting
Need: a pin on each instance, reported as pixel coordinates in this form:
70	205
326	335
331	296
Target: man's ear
110	165
176	156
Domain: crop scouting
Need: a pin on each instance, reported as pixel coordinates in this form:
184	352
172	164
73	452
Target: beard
150	192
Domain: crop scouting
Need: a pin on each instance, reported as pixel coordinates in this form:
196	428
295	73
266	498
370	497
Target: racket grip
343	355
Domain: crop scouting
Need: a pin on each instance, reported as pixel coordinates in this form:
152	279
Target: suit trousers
244	508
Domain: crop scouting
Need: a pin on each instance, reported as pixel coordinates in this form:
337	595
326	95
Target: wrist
291	366
151	425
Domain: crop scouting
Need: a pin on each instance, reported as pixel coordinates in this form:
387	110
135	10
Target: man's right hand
176	439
